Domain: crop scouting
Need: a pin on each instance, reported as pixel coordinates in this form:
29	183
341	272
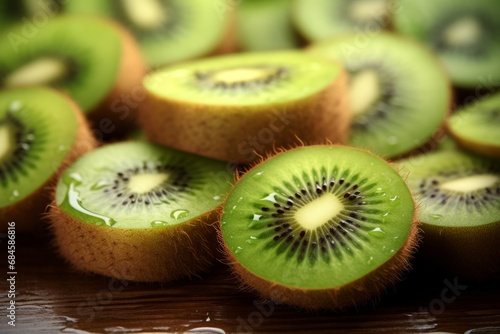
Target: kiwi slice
476	127
320	19
319	226
138	211
33	13
93	60
41	132
237	107
266	25
464	35
399	93
169	31
458	198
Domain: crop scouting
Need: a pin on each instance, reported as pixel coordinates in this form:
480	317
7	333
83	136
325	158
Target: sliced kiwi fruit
458	197
266	25
236	107
139	211
169	31
94	60
319	227
33	13
477	127
399	92
321	19
41	132
464	35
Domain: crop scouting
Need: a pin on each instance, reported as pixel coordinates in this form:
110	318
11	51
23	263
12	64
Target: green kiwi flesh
458	197
399	93
327	226
167	31
464	35
78	55
477	126
320	19
138	211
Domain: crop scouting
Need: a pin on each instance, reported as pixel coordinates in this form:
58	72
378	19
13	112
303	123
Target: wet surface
53	298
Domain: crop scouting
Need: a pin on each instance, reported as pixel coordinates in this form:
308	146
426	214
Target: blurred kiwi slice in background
31	12
265	25
463	34
476	127
399	92
41	132
94	60
169	31
237	107
139	211
458	197
320	19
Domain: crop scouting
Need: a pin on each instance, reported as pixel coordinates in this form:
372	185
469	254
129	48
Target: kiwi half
169	31
458	198
464	35
266	25
138	211
236	107
94	60
319	227
399	92
41	132
321	19
477	126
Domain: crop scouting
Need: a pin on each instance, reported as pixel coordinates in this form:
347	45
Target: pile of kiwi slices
300	143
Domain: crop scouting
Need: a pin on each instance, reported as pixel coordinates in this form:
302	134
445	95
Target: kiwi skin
338	298
485	149
27	213
322	117
140	255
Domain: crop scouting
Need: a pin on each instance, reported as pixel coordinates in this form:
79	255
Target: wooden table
53	298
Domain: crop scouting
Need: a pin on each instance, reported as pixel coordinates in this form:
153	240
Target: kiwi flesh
319	227
464	35
477	127
322	19
41	133
237	107
458	197
399	93
139	211
266	25
95	61
169	31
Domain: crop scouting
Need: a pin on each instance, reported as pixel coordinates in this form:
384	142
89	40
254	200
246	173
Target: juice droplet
179	214
259	173
370	260
216	198
100	185
238	250
158	223
377	232
15	193
436	216
75	202
256	217
270	197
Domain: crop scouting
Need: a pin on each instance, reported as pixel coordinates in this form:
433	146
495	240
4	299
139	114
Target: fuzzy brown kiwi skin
339	298
485	149
472	253
219	132
139	255
130	75
27	213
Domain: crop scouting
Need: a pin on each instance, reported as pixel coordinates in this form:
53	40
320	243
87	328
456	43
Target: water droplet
158	223
256	217
370	260
216	198
100	185
392	140
251	240
391	251
15	106
15	193
238	250
179	214
394	198
436	216
378	190
377	232
223	223
74	201
270	197
240	199
234	207
259	173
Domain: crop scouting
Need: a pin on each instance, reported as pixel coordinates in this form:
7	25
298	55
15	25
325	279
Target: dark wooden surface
52	298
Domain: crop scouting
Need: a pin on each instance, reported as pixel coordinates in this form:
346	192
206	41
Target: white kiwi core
463	32
146	14
471	183
364	91
41	71
143	183
319	211
243	74
366	10
5	141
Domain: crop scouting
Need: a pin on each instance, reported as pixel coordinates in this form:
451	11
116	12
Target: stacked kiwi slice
41	133
138	211
237	107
